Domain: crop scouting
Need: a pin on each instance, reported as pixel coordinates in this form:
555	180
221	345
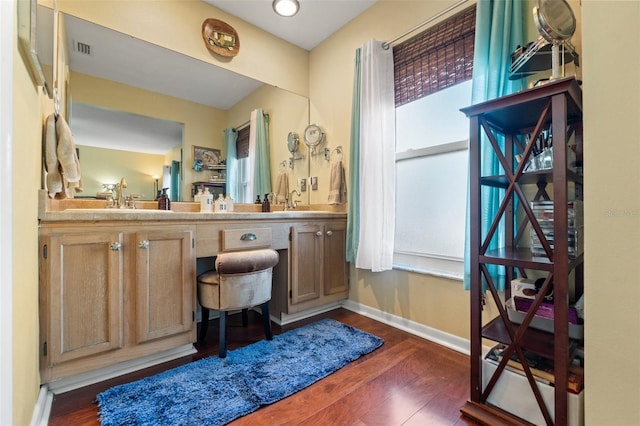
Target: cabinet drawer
245	239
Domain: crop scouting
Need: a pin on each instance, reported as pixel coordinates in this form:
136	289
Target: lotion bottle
163	202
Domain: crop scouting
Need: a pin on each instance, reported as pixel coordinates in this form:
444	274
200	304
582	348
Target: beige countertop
95	210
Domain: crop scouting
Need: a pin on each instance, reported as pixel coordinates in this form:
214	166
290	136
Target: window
242	152
433	81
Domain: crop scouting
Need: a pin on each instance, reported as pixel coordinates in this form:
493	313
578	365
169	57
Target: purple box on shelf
545	309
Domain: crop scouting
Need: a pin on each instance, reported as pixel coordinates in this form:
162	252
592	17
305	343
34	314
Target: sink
117	211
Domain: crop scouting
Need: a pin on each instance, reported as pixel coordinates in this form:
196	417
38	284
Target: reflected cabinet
535	139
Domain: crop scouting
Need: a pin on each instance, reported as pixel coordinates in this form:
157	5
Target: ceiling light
286	7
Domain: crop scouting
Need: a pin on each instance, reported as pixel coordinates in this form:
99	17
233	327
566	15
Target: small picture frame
208	156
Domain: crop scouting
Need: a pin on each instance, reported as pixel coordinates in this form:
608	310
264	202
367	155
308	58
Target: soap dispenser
198	196
163	202
206	201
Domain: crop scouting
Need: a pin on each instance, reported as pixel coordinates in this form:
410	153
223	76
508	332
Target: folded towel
282	187
337	184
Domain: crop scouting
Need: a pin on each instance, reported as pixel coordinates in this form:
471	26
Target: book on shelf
541	367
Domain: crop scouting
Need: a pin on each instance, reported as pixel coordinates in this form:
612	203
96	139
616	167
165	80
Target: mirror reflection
110	84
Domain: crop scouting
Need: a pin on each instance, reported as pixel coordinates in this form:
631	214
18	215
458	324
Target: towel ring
337	150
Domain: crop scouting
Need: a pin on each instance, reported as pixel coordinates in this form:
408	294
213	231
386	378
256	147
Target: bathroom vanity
119	285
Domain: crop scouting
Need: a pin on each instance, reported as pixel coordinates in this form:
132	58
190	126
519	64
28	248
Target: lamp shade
286	7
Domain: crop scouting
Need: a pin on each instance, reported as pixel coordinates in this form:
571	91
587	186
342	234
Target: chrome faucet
291	203
120	197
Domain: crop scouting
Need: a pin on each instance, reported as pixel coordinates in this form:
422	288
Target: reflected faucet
291	203
119	202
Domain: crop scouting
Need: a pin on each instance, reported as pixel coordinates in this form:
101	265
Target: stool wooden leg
204	323
245	317
266	321
222	345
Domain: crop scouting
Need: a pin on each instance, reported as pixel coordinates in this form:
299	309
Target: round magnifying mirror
555	20
313	135
293	140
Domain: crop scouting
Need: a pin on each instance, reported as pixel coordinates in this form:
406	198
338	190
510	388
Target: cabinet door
165	281
307	259
336	268
82	295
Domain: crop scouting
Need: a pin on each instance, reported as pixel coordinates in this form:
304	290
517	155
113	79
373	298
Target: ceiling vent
83	48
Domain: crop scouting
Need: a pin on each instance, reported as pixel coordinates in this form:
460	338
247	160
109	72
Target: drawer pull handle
329	233
249	236
144	244
318	234
116	246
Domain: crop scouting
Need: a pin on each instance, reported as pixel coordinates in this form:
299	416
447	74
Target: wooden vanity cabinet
112	293
319	271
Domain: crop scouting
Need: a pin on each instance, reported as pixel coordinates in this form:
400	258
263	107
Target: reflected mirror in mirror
116	144
117	72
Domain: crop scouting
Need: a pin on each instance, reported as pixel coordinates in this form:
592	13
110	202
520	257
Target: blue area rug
215	391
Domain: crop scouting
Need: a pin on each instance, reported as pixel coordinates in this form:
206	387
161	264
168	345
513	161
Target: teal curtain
174	194
353	196
262	174
230	138
500	28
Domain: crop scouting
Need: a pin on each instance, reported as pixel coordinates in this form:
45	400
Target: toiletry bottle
229	201
206	201
198	196
257	200
219	204
266	204
163	202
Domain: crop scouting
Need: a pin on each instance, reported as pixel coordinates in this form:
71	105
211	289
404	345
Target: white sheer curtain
377	159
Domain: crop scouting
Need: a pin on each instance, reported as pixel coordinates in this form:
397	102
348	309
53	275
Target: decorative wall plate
220	37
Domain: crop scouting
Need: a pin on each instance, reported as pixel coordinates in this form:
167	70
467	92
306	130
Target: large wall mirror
137	110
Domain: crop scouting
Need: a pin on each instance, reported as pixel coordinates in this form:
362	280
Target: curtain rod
246	123
386	44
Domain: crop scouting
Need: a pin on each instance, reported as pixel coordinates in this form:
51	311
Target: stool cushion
242	280
246	261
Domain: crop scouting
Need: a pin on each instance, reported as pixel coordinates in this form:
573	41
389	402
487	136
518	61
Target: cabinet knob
319	234
144	244
116	246
329	233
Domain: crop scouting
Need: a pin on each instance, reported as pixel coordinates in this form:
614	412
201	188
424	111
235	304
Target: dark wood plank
406	381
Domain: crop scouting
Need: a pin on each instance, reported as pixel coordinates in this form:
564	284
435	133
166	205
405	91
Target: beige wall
30	106
203	125
176	25
612	210
100	166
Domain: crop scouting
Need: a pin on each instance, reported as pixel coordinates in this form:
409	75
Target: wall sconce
155	186
286	7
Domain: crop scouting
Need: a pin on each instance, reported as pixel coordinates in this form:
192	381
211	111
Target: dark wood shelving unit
517	120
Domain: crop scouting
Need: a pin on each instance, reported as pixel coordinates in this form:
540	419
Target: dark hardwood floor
407	381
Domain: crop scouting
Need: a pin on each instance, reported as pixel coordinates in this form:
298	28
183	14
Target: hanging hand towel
282	187
337	184
54	178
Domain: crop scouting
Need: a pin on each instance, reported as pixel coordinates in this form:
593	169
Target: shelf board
534	340
521	110
538	176
522	257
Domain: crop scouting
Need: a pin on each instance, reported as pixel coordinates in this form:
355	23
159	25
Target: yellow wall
101	166
28	109
203	125
176	25
612	210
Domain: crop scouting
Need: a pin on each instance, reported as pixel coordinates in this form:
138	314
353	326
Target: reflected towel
61	159
282	187
337	184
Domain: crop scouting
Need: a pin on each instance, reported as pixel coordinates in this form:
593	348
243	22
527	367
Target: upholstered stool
241	280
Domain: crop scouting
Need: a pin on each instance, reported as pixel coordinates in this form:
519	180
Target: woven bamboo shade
242	142
435	59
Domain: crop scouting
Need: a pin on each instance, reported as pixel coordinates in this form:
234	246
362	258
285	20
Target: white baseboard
80	380
42	409
285	319
450	341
